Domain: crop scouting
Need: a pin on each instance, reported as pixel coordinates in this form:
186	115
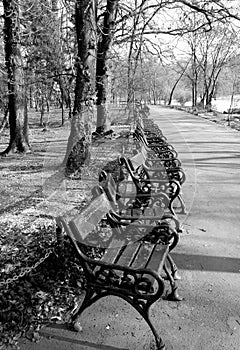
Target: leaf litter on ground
33	295
46	295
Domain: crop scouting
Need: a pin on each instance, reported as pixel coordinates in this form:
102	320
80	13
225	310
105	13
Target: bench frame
135	286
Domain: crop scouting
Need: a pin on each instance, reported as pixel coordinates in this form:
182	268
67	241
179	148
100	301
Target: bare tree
216	49
175	18
181	74
105	38
16	91
78	151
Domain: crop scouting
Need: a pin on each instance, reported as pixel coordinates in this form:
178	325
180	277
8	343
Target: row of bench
133	222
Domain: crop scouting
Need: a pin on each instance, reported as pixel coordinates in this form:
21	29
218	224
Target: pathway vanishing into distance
208	255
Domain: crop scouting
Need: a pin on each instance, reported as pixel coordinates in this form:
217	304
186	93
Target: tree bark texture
5	120
16	91
78	148
103	47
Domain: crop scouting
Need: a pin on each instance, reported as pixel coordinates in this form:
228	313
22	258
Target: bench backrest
86	221
134	191
117	197
140	130
139	134
139	158
110	187
142	144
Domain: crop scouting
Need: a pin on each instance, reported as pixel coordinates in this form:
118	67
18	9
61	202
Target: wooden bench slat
158	257
129	254
143	256
157	260
113	250
153	259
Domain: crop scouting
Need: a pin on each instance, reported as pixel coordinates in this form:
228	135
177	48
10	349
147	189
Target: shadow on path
206	263
53	332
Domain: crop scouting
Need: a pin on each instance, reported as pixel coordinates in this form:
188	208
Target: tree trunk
25	123
78	148
194	93
177	81
5	120
42	111
211	89
69	104
30	97
18	130
172	91
62	101
103	47
62	113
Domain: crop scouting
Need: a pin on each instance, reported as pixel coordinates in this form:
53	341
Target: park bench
161	172
133	260
161	149
133	203
157	157
150	129
160	177
141	208
161	162
163	175
150	134
156	145
167	158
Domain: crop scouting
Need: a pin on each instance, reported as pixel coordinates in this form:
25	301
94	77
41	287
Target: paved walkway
208	256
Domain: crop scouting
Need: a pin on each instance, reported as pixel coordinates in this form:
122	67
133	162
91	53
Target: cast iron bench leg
174	269
182	203
174	296
143	309
159	341
88	300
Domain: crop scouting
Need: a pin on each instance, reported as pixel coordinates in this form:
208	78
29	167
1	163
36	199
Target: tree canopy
187	42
